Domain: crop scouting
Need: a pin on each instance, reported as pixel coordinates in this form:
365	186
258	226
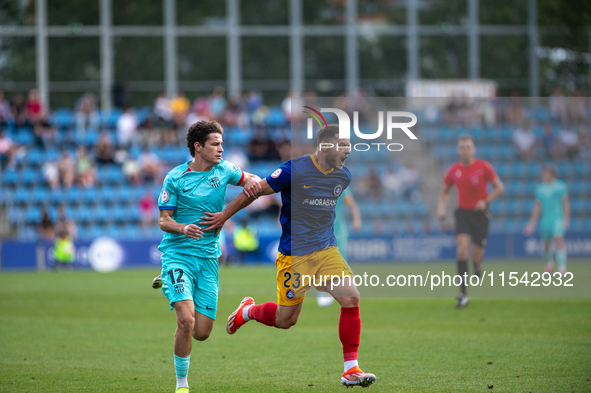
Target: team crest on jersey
458	173
215	182
289	294
164	196
276	174
338	190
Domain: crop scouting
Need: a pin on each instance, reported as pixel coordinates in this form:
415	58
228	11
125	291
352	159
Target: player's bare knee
201	336
186	322
347	302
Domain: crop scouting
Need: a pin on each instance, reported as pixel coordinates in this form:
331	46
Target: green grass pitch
92	332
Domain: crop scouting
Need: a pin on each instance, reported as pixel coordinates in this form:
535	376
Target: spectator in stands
35	108
558	107
46	227
104	150
570	140
7	150
265	205
148	208
525	141
410	178
180	108
170	137
584	141
551	144
131	169
38	137
371	185
231	115
19	110
254	101
51	174
65	225
85	169
67	170
236	156
5	113
150	165
578	107
392	184
127	128
261	147
199	111
515	113
86	113
162	108
284	150
217	103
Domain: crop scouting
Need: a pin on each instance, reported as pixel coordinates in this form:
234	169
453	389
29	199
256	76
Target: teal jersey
341	228
550	196
190	194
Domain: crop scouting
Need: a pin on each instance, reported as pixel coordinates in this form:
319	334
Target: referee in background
470	175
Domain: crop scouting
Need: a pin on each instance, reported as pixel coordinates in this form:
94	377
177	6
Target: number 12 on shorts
179	277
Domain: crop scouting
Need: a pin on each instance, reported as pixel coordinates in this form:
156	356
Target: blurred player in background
341	232
553	204
313	191
470	175
189	256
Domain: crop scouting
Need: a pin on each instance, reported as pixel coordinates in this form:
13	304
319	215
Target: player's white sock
245	312
349	364
182	383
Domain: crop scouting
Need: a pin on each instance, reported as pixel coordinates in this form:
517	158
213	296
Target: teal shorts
552	229
187	277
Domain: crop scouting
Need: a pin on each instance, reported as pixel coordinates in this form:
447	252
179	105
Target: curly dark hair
198	132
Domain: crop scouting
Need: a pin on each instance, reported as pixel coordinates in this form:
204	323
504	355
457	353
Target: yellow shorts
296	274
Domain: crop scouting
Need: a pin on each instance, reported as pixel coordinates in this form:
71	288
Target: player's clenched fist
193	231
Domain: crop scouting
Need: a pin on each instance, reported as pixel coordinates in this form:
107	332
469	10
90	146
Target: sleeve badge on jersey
338	190
276	174
164	196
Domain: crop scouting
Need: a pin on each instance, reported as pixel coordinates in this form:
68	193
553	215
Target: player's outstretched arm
535	215
217	220
167	224
251	185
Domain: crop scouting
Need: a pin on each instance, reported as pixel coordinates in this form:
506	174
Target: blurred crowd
561	133
570	138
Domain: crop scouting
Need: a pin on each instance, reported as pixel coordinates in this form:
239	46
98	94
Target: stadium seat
9	177
33	215
30	176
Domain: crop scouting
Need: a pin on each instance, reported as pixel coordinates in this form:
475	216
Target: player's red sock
264	313
350	332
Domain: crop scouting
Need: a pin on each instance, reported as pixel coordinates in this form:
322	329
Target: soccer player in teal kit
189	255
553	204
310	187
